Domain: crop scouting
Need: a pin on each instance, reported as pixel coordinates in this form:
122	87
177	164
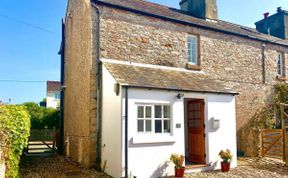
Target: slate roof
172	14
164	78
53	86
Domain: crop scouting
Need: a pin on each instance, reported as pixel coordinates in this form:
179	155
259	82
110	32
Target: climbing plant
280	95
15	124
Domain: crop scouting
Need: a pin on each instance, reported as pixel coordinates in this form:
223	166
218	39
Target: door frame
206	144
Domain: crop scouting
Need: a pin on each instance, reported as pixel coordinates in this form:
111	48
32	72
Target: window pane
140	125
166	111
140	112
280	63
148	112
158	126
158	111
192	49
148	125
166	126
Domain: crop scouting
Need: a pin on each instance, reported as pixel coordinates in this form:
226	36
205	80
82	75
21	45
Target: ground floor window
153	118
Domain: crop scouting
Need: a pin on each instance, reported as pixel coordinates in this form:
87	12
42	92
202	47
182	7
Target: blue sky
30	54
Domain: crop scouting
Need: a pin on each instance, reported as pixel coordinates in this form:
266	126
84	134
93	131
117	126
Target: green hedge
15	123
42	117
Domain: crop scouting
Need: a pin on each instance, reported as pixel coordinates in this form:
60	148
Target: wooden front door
196	131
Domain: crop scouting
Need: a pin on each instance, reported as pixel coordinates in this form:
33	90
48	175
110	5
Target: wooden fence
274	142
271	143
284	123
41	141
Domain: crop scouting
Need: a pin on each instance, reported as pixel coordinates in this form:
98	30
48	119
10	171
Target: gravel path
250	168
54	166
58	166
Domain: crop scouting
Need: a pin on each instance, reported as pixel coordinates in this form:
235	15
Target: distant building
53	94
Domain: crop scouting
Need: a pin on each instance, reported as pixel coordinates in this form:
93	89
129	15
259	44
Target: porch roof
157	77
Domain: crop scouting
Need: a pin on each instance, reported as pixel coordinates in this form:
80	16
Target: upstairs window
280	64
153	118
192	44
57	96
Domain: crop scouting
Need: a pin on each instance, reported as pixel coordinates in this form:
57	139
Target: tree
41	117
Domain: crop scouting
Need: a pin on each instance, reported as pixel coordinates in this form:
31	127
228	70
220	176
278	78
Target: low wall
2	163
2	170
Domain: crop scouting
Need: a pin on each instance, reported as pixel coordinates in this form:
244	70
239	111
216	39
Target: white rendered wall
149	153
51	101
220	107
111	126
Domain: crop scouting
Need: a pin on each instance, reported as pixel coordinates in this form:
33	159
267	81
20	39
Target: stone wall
80	103
234	60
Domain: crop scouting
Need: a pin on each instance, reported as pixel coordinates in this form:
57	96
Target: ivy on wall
280	95
15	124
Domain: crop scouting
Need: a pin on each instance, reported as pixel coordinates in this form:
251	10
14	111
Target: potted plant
226	157
178	161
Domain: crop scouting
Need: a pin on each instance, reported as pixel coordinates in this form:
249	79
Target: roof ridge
153	3
175	15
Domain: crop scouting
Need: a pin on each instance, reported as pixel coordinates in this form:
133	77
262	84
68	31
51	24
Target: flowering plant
178	160
226	156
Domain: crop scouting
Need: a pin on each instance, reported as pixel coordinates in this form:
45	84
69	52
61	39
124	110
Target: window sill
281	78
153	138
193	66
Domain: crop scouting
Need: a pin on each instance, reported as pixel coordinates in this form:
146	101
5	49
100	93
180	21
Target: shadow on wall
159	172
248	138
143	145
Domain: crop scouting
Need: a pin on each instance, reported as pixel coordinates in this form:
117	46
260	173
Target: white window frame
153	118
57	96
192	47
280	64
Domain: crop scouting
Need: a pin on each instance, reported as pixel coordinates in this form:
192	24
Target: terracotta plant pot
225	166
179	172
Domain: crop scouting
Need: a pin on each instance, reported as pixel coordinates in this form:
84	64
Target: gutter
182	90
187	23
98	94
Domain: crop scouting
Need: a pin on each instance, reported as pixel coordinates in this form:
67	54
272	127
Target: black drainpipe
126	132
99	94
263	63
62	78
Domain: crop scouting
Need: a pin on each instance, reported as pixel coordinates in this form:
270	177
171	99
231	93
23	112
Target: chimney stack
204	9
279	9
274	25
266	15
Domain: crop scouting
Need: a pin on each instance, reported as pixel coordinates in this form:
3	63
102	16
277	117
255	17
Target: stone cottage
141	81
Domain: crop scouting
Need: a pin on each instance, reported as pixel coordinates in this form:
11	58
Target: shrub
15	123
42	117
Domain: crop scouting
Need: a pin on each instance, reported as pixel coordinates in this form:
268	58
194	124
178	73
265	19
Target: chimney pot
266	15
279	9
